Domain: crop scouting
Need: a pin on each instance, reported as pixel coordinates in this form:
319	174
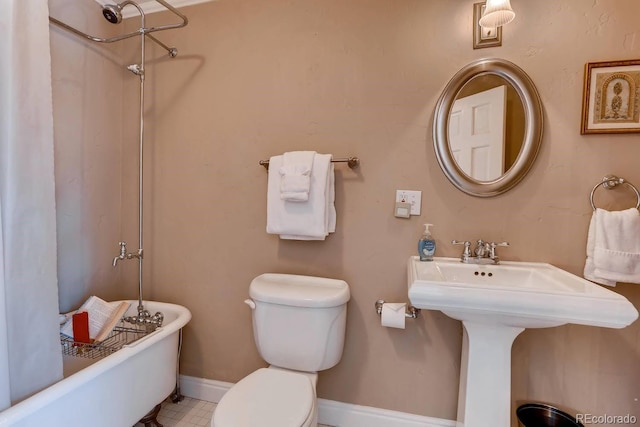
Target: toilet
298	326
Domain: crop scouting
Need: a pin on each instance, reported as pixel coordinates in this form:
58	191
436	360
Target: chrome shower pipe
143	30
140	74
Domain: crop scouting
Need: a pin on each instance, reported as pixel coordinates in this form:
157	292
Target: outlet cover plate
412	197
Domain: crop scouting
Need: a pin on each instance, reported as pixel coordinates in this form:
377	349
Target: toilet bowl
269	397
299	325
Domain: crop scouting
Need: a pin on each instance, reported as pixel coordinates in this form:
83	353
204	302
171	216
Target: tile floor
188	413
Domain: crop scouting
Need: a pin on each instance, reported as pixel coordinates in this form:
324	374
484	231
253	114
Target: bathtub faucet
124	255
145	319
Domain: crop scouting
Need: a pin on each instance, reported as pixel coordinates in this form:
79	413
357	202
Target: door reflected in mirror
486	127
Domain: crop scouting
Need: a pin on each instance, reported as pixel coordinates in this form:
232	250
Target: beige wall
255	78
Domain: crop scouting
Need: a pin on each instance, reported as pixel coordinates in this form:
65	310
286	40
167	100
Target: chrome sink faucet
484	252
482	249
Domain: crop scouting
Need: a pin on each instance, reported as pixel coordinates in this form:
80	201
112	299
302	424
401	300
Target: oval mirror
488	127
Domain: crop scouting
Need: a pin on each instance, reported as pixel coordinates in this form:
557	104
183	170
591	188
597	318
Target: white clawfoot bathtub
115	391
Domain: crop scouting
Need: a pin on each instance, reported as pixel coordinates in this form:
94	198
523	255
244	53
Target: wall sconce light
497	13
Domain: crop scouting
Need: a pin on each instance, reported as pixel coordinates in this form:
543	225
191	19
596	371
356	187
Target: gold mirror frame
533	116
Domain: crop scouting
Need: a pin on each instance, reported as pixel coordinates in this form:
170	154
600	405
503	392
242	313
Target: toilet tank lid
299	291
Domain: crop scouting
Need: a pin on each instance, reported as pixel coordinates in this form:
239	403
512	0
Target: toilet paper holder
411	311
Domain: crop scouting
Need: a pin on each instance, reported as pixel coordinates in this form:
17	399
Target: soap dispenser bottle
426	245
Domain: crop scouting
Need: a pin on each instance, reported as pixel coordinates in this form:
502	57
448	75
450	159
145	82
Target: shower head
111	13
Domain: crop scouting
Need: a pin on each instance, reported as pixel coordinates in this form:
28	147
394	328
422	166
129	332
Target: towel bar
609	182
352	162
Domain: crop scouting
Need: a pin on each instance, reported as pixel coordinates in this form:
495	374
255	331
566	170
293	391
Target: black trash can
541	415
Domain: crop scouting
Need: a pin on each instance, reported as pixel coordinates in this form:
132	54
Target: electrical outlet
414	198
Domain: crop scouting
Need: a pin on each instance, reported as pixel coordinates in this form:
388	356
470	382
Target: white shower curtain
30	357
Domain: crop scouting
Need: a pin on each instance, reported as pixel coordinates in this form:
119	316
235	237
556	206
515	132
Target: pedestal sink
497	302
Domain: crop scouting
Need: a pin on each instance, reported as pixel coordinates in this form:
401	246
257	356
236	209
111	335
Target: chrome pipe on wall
113	14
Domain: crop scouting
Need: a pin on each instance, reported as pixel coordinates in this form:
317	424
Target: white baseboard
329	412
203	389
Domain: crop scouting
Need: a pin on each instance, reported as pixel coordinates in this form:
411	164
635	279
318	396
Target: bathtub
115	391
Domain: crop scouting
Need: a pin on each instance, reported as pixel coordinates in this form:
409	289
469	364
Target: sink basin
522	294
495	304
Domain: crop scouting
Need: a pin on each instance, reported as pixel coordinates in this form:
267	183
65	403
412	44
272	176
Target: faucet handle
492	250
466	253
494	245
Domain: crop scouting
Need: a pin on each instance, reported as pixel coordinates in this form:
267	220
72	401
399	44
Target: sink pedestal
485	375
497	302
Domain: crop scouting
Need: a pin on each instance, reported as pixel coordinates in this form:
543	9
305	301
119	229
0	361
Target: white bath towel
295	175
616	247
310	220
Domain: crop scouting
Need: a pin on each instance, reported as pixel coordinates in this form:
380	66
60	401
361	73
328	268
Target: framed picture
611	97
484	37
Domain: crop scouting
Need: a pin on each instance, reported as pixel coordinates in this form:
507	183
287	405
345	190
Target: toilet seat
267	398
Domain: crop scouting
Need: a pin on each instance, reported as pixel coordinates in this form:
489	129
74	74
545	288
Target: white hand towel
616	251
301	221
589	268
295	172
294	184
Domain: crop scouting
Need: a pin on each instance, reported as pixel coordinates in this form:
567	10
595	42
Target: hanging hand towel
616	251
295	172
589	268
310	220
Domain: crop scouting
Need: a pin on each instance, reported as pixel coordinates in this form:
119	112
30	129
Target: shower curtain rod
146	31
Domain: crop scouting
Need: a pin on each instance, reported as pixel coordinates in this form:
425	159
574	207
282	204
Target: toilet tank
299	321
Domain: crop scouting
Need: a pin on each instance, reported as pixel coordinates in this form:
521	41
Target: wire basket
118	338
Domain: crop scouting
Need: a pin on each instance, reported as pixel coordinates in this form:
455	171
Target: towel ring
611	181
